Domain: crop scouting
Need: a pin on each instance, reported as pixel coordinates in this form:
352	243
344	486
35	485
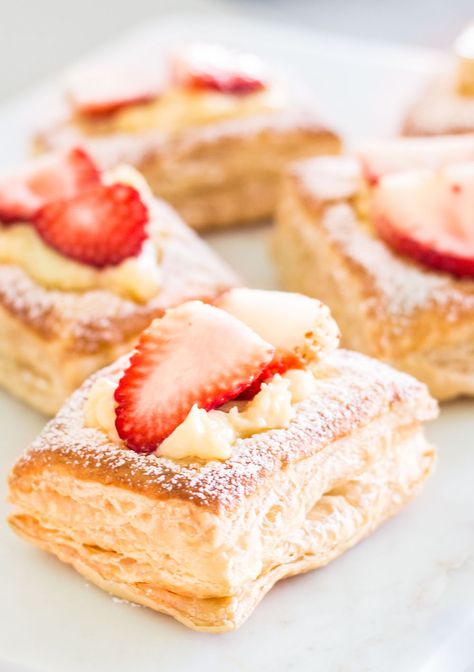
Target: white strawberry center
384	157
293	323
435	207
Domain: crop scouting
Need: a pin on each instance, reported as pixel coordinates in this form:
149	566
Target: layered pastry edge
205	540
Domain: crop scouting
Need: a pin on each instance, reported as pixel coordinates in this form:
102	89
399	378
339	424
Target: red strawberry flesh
100	227
46	179
281	363
195	354
213	68
225	82
429	216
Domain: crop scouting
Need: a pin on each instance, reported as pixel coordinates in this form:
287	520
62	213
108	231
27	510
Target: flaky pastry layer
205	541
386	305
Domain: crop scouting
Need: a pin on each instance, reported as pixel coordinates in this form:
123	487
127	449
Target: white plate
403	599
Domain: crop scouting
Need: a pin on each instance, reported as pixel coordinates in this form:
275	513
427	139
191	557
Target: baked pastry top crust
352	391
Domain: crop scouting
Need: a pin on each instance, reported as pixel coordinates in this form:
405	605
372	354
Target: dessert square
209	128
322	453
446	105
395	300
61	319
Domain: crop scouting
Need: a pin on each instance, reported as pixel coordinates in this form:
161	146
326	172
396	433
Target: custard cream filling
210	435
178	108
137	278
464	50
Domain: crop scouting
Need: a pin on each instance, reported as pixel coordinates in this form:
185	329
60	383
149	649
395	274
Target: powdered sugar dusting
351	391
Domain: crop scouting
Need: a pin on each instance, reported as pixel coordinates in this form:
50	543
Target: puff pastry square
217	170
50	341
204	542
387	306
440	110
446	105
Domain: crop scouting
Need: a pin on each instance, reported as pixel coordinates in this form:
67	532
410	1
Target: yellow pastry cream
178	109
99	410
210	435
137	278
464	50
207	435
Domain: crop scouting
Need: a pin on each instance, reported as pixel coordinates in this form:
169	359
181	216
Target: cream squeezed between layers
210	435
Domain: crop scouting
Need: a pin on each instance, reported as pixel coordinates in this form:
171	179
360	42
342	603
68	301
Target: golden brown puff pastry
204	541
387	306
221	173
50	340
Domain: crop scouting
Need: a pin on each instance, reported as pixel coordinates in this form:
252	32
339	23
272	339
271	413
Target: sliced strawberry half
100	227
429	216
105	90
384	157
195	354
48	178
301	328
214	68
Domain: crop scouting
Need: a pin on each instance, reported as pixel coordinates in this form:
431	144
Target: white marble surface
403	600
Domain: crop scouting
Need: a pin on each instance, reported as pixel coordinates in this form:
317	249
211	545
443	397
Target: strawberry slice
100	227
429	216
195	354
48	178
281	363
383	157
296	325
108	89
211	67
301	328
